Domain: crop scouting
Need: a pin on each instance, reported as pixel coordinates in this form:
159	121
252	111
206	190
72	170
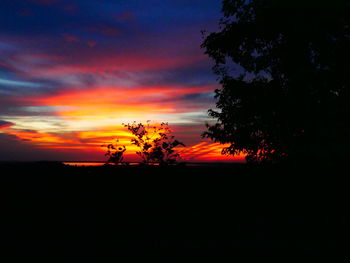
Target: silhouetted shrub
115	152
155	143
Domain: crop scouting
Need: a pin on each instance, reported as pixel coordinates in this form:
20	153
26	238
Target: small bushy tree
155	142
115	152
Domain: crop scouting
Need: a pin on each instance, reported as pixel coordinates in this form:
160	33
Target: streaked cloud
72	71
16	83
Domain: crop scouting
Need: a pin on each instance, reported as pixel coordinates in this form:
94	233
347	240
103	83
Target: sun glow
65	92
87	120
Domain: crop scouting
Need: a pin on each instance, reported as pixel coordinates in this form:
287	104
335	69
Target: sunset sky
72	71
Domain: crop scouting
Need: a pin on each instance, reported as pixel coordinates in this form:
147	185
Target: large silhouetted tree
284	72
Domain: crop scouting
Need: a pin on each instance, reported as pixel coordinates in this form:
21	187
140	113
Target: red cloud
91	43
85	63
70	38
5	124
105	30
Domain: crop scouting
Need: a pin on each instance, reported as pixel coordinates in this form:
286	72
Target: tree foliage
115	152
284	75
155	143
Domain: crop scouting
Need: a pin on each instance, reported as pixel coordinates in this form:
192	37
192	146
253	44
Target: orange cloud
94	117
208	151
111	101
92	142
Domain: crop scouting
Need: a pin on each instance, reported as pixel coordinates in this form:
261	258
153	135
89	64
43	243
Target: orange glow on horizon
94	118
92	141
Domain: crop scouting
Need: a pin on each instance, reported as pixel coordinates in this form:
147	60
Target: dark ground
59	213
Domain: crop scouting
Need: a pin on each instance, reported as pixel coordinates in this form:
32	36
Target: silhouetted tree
115	152
284	75
155	142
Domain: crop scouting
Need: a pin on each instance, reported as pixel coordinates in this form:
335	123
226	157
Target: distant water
90	163
187	164
84	163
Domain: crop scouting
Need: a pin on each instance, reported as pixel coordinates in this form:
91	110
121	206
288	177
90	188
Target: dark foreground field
59	213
